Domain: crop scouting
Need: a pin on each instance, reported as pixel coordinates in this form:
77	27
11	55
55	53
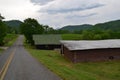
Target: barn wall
98	55
68	54
92	55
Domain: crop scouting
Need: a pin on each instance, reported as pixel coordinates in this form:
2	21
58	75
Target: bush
2	32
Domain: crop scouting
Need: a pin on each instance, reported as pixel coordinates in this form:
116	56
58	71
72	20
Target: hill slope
77	27
13	23
111	25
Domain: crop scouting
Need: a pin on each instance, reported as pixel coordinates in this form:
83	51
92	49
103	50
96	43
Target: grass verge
10	39
81	71
1	50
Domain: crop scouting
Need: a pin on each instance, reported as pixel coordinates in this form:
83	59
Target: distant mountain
13	23
77	27
111	25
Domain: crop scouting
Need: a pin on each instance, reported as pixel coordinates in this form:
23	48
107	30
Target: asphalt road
23	66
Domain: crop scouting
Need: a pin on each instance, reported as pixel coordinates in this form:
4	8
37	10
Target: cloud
59	10
41	2
18	9
80	16
64	6
60	20
58	13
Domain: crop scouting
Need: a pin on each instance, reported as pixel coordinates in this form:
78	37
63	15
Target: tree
105	35
88	35
97	37
30	27
2	30
46	27
1	17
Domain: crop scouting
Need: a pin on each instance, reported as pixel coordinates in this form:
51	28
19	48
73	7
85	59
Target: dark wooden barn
47	42
85	51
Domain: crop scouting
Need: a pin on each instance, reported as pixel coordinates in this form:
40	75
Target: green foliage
1	50
111	25
62	32
13	26
30	27
92	35
10	39
2	32
88	35
97	37
71	36
73	28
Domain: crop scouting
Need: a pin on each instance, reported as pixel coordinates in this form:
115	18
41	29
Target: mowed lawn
80	71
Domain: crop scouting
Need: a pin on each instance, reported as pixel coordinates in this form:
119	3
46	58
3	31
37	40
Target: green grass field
71	36
10	39
80	71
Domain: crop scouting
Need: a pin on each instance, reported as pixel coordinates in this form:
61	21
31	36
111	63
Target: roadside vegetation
1	50
10	39
80	71
3	30
7	37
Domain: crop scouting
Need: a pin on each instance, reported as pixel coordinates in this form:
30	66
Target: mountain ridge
110	25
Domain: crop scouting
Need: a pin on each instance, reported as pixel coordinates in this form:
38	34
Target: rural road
22	66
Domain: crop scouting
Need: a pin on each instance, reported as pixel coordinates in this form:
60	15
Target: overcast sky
58	13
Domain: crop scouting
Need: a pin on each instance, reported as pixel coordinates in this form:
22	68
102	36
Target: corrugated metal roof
93	44
46	39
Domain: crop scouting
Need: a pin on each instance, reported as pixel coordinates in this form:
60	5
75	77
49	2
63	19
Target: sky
59	13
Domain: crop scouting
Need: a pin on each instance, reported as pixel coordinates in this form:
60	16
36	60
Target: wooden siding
92	55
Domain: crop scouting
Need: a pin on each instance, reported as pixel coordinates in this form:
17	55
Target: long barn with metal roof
91	50
47	41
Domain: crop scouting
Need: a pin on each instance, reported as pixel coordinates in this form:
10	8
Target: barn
85	51
47	42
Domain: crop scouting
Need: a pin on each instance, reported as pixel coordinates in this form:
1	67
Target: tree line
3	29
31	26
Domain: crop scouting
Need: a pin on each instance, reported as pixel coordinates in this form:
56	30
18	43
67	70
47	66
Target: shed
47	41
88	50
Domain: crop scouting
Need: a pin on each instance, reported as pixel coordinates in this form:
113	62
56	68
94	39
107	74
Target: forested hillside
111	25
13	26
77	27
